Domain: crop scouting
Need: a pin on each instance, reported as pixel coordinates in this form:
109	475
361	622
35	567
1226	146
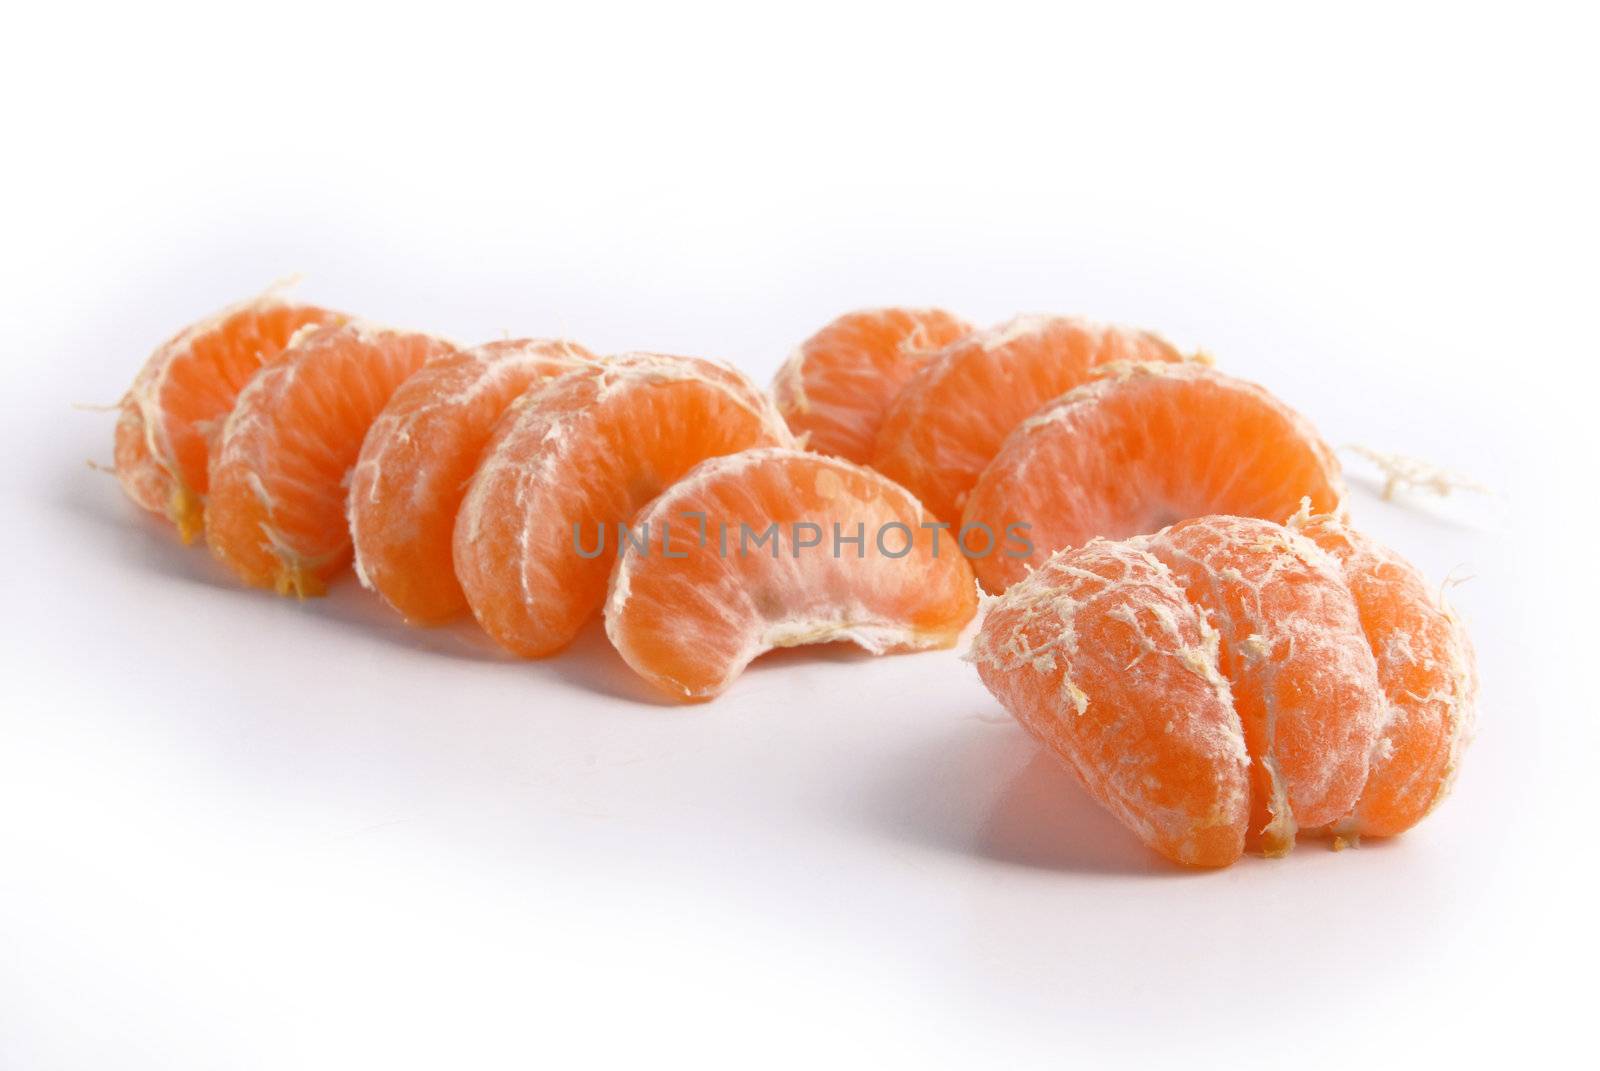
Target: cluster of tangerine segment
1102	658
944	427
276	511
1141	446
1284	633
835	388
1429	677
417	459
779	548
171	416
570	462
1305	684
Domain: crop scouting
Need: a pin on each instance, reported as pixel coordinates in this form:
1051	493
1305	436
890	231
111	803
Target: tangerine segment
584	453
1304	681
172	414
1139	447
946	424
417	459
143	478
835	388
780	548
276	515
1100	656
1426	667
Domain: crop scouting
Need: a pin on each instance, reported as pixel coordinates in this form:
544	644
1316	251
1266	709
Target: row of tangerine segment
418	458
1064	426
275	514
173	414
461	479
587	453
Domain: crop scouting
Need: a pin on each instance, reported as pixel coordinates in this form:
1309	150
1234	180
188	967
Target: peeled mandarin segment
175	409
779	548
1425	665
1140	447
835	388
952	415
589	450
276	514
1100	656
417	459
1304	681
143	478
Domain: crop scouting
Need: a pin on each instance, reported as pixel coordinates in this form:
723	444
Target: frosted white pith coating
1400	471
1429	638
1171	637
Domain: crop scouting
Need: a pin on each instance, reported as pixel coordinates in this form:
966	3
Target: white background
243	833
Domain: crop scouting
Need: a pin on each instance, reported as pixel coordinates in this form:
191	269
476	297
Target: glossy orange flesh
1142	446
837	386
173	413
417	459
945	426
276	513
579	456
874	576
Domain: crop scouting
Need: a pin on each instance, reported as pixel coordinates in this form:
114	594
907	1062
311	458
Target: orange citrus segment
173	413
417	459
1100	656
276	513
952	415
1425	665
144	479
778	548
1304	681
836	386
586	452
1139	447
